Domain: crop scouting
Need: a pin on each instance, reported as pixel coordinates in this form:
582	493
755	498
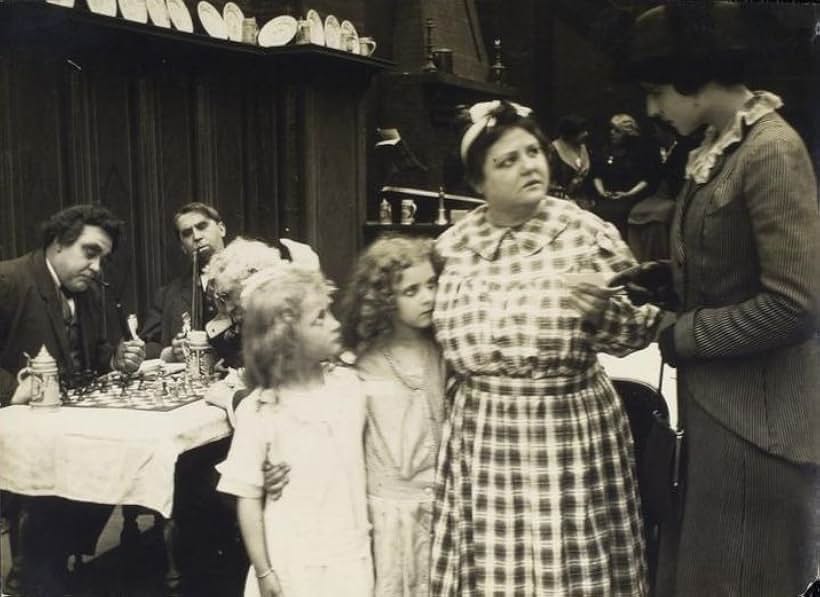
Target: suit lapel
48	293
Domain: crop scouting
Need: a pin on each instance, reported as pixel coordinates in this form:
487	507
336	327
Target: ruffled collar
703	159
484	237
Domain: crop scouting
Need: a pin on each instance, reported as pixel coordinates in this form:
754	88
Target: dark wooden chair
640	401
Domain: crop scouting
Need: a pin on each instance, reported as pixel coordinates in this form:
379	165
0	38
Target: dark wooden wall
142	125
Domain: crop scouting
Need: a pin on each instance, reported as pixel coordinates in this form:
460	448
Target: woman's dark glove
649	282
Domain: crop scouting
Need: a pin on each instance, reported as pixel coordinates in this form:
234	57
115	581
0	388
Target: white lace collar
702	159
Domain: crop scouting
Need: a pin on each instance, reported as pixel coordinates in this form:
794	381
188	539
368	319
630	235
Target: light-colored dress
317	533
536	492
405	414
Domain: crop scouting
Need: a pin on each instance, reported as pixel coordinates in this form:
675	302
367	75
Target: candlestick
497	70
441	220
429	66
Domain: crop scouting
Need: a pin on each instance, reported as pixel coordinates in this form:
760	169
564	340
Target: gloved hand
649	282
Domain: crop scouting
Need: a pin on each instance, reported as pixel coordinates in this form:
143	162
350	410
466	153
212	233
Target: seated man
50	298
201	232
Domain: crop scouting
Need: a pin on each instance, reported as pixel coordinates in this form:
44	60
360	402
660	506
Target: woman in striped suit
745	252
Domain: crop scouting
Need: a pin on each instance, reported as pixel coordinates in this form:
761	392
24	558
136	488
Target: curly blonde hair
273	301
369	300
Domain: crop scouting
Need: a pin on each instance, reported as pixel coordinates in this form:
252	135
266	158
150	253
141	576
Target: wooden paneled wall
278	150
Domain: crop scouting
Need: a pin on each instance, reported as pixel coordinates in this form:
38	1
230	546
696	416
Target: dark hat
685	30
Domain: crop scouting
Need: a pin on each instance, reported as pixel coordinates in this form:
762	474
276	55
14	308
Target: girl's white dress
405	414
317	533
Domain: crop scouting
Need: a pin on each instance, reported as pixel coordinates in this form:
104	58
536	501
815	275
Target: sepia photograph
409	298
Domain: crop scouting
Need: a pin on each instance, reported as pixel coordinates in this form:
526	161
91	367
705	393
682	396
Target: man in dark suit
200	231
49	298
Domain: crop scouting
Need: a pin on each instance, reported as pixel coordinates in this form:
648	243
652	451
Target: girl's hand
269	586
276	477
591	301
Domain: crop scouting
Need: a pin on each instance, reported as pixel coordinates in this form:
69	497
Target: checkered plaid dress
536	489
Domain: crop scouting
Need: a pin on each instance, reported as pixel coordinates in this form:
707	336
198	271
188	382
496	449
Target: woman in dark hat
745	255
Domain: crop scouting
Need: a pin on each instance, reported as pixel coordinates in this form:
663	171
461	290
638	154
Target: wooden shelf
455	83
372	230
425	226
79	30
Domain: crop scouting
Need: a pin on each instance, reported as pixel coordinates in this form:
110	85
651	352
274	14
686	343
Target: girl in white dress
314	541
388	316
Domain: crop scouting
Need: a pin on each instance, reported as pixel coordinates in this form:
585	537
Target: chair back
640	401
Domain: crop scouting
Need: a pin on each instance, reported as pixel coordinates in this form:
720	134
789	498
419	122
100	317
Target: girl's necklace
396	371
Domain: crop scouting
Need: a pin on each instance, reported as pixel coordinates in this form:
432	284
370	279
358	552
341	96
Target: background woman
536	492
745	254
625	173
568	160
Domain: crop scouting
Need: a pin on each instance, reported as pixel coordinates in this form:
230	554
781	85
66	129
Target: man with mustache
200	231
50	298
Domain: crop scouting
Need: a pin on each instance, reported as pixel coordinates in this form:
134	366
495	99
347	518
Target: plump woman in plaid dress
536	488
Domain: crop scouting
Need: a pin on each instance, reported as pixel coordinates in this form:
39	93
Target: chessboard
152	393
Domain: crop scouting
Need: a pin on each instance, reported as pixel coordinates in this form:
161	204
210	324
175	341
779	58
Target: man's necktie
72	329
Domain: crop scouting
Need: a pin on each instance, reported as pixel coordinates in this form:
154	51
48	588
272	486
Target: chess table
110	443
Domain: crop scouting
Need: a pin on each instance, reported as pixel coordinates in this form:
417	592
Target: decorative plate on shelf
65	3
180	16
279	31
134	10
333	34
317	29
233	17
211	20
158	13
103	7
347	27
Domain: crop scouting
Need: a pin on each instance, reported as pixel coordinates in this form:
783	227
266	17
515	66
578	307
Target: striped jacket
747	268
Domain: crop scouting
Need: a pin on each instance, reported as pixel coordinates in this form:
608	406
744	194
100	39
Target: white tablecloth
107	456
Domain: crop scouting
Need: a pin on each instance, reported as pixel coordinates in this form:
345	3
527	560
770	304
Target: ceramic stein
348	42
201	359
249	30
45	379
367	45
304	32
408	211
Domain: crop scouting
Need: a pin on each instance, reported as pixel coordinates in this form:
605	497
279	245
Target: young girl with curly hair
314	540
388	315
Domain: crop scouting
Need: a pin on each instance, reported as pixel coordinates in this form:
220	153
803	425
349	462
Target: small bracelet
267	572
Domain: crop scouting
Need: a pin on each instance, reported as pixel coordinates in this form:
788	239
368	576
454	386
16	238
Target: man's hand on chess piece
128	356
649	282
276	477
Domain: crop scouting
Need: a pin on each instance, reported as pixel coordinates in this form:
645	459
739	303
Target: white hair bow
483	116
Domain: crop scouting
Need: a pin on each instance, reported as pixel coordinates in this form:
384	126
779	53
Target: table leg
173	577
129	536
14	580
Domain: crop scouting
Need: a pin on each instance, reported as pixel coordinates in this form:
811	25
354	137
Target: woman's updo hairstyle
483	124
690	44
